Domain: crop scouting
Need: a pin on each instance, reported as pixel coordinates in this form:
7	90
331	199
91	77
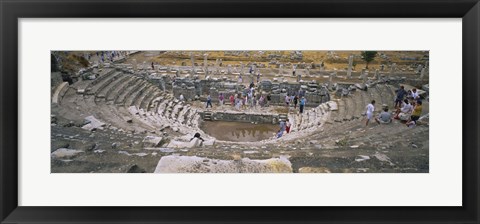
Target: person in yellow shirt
417	111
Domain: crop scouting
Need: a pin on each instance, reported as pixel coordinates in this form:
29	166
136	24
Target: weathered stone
93	124
65	153
194	164
151	141
314	170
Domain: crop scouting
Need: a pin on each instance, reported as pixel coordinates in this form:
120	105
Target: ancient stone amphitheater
114	119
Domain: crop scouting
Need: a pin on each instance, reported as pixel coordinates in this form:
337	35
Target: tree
368	56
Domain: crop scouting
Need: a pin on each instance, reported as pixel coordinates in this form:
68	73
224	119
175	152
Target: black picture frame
11	11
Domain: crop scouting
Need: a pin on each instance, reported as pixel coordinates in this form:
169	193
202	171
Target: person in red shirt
287	127
232	100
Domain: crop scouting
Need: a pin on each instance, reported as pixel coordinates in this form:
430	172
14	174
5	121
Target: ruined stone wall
313	93
244	117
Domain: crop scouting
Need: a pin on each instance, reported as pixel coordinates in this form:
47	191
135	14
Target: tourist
282	129
287	100
209	101
287	126
302	104
244	102
415	95
269	98
254	102
181	98
261	101
404	112
294	68
295	101
232	100
220	99
237	103
258	77
301	93
197	135
240	80
417	111
409	94
250	100
384	117
370	108
400	95
282	125
279	133
153	68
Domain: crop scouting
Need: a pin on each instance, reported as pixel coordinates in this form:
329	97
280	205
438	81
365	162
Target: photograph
245	111
277	111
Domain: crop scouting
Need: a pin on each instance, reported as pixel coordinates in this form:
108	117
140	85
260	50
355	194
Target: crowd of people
106	56
407	109
250	99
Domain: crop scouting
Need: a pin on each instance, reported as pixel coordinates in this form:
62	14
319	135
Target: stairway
207	116
283	117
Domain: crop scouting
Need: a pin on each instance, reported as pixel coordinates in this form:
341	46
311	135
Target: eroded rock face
194	164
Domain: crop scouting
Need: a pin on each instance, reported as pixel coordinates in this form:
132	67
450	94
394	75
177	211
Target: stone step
156	101
186	116
137	124
123	90
168	109
112	86
192	117
103	74
149	103
115	91
176	111
144	94
341	113
140	93
181	116
102	84
173	113
134	93
128	92
163	105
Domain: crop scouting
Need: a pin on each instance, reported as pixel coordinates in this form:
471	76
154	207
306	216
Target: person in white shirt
369	113
404	112
287	100
415	95
181	97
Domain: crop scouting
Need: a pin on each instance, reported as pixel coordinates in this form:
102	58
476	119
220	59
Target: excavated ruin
122	117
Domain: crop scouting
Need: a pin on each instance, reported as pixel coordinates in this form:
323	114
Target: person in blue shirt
209	101
302	104
401	93
282	129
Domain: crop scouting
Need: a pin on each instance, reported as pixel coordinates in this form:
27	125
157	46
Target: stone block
194	164
92	123
151	141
